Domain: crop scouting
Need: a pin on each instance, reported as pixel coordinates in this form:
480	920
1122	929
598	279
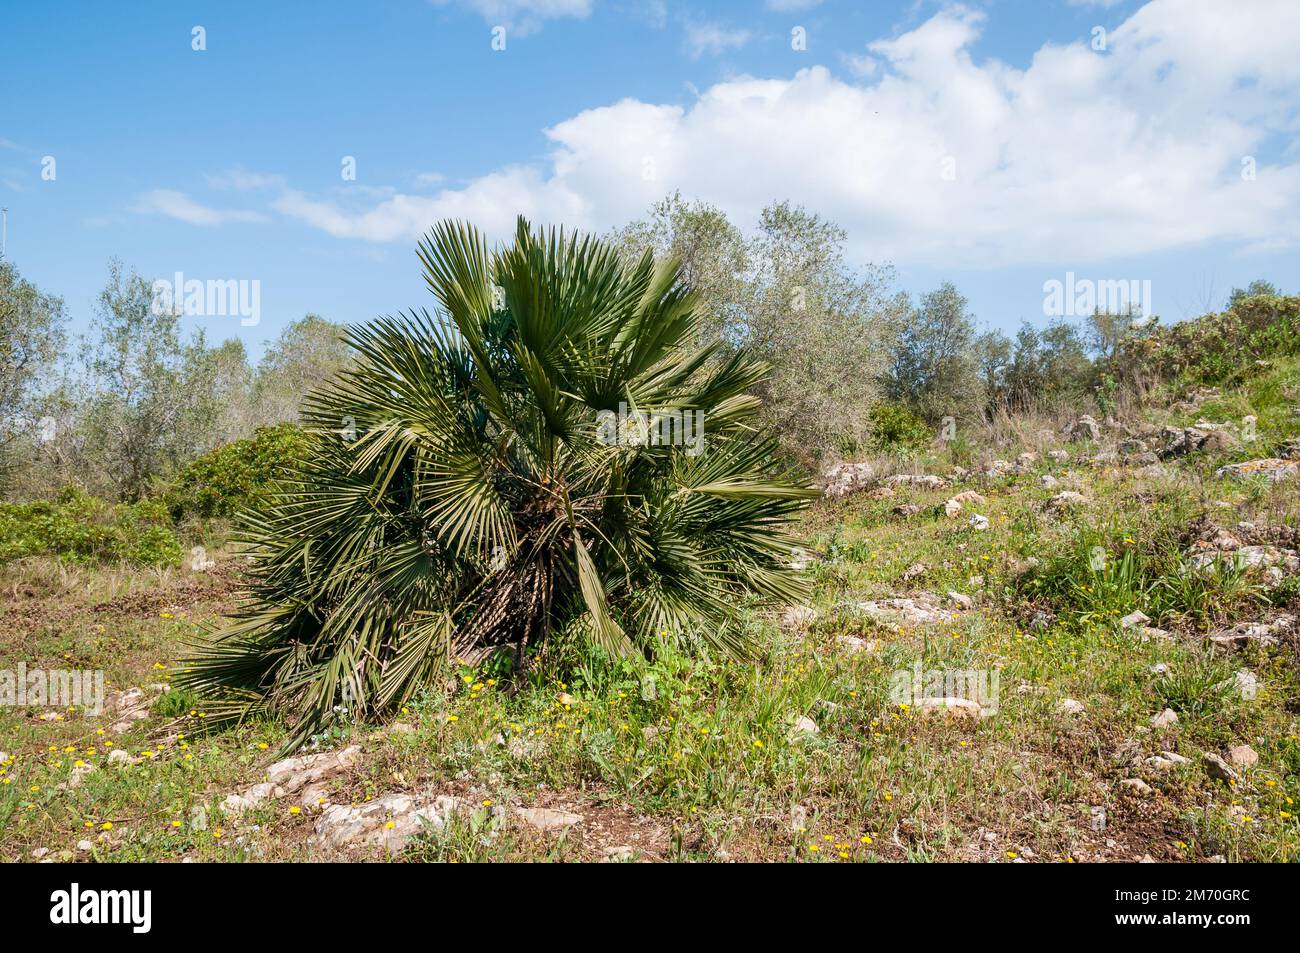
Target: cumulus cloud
180	206
938	159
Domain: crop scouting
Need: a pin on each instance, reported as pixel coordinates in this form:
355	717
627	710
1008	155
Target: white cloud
713	38
522	16
180	206
1077	157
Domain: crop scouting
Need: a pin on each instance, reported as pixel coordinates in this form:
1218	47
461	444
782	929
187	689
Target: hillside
1064	643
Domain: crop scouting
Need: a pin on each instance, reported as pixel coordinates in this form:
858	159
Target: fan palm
493	478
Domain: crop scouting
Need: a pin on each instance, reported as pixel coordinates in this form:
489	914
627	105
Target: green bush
895	428
1216	348
79	528
235	477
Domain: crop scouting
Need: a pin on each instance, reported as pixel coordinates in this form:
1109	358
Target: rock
236	804
1164	719
960	600
1246	684
118	756
853	645
1251	557
128	707
1084	428
198	818
84	845
900	612
1160	763
906	509
1217	441
803	727
1272	468
1134	619
927	480
915	571
387	822
953	506
1137	786
401	728
798	617
1243	756
1182	440
1225	542
979	523
294	773
1048	481
950	704
1097	819
39	852
547	819
1242	634
619	855
77	775
1174	758
1132	447
1070	706
1066	499
1216	767
1160	668
1060	456
847	478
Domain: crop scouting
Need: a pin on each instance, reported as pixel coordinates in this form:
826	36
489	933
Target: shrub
1216	348
235	477
895	429
493	498
79	528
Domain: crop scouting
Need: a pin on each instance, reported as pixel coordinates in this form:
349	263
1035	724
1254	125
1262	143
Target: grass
696	759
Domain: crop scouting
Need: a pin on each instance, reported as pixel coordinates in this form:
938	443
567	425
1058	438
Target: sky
306	146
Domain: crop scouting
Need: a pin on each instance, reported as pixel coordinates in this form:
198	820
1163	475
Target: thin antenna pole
4	231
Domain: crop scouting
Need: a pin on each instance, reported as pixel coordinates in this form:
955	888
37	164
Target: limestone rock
1217	767
1271	468
547	819
387	822
1164	719
1243	756
294	773
1084	428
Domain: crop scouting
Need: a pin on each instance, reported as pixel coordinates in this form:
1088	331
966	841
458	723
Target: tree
31	336
550	458
934	369
714	259
1256	288
307	352
825	328
788	296
151	405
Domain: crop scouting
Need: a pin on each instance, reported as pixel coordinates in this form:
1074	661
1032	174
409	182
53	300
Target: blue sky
225	163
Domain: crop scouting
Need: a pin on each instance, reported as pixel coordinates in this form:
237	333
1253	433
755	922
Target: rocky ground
1078	645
